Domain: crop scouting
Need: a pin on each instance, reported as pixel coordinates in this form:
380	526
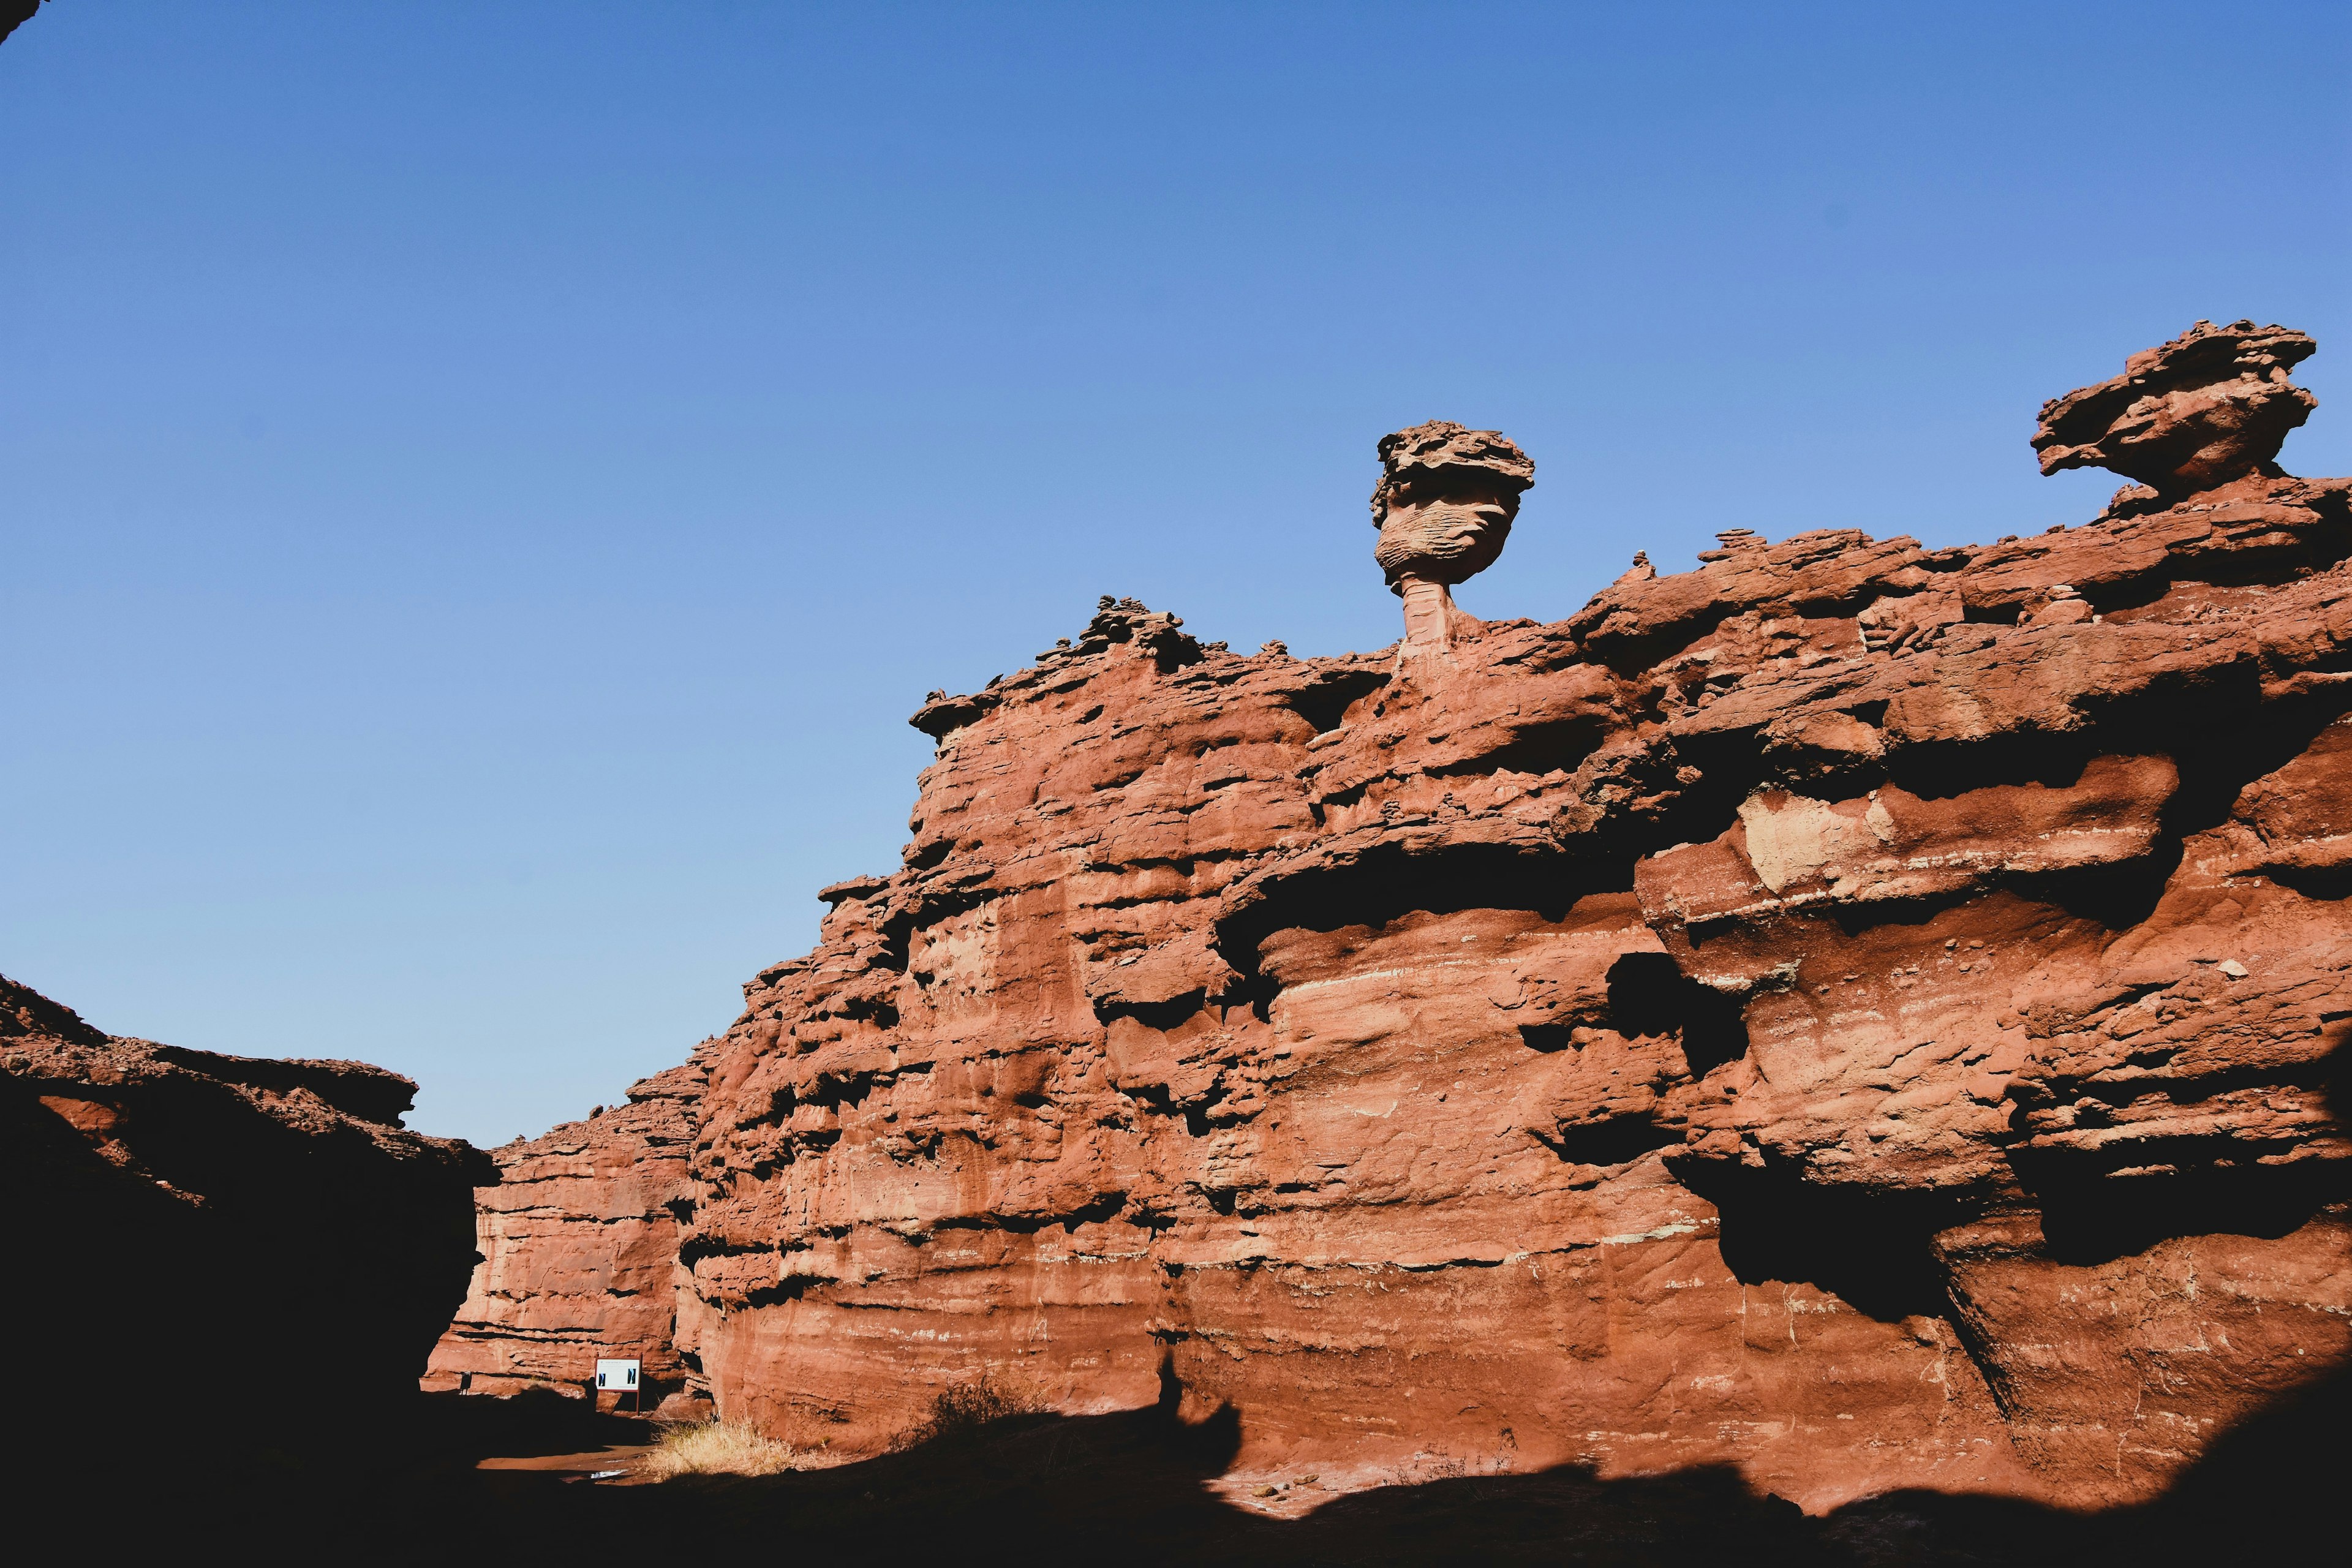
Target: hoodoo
2210	407
1443	505
1865	1015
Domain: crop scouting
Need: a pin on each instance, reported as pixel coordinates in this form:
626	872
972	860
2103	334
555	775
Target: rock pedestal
1443	505
2211	405
1863	1016
1428	613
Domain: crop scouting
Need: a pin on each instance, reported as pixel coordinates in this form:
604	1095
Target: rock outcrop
2213	404
579	1246
1862	1014
216	1249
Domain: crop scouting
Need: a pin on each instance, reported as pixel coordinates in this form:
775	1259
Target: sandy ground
615	1463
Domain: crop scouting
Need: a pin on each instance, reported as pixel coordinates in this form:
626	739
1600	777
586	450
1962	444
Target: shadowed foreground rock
1147	1486
213	1253
1851	1021
15	14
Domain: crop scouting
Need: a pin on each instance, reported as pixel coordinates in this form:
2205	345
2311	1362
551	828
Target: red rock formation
1858	1014
2200	411
250	1250
1443	505
579	1244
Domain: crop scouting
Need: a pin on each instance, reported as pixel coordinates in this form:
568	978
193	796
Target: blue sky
483	486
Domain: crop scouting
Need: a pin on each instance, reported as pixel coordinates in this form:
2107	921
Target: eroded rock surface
213	1250
579	1246
1860	1013
1444	505
2210	407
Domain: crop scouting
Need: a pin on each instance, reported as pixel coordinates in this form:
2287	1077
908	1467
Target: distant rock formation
214	1250
1869	1016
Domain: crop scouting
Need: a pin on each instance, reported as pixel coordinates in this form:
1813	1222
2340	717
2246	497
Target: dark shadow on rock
2274	1483
530	1424
2092	1221
1137	1488
1388	882
2091	1215
1649	994
1872	1251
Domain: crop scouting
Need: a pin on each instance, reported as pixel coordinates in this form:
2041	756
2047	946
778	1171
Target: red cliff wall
578	1240
1859	1013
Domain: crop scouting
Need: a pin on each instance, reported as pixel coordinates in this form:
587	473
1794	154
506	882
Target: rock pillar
1427	607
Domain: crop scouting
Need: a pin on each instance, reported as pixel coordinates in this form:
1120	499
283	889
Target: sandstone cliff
1859	1013
579	1246
215	1250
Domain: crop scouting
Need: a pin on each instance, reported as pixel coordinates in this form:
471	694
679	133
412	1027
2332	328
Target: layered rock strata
1860	1013
578	1240
215	1249
1445	505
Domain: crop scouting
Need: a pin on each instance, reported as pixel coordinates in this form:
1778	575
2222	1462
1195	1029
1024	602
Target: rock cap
1438	459
1445	500
2211	405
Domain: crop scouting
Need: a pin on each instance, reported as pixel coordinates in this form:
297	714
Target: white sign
617	1375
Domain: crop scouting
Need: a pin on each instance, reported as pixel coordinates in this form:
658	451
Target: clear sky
482	486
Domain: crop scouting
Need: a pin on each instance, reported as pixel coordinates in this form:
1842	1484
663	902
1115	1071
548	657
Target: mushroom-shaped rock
2211	405
1444	507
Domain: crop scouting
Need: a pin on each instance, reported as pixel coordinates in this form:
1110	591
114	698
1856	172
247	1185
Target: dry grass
719	1449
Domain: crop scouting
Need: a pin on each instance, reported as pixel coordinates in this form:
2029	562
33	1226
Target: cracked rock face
215	1250
1866	1016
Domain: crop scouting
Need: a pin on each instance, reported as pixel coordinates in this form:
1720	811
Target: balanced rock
1443	505
2211	405
1857	1014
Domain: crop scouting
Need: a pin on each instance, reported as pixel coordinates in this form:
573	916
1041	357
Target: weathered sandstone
1862	1014
1443	505
579	1244
2210	405
251	1250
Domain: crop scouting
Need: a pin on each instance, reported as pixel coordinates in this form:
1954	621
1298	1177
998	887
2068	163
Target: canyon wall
221	1251
1860	1013
578	1240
